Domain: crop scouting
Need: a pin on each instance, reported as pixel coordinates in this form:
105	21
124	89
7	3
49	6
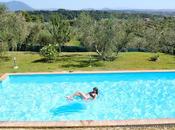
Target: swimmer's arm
95	97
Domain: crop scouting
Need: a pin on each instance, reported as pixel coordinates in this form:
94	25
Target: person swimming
91	95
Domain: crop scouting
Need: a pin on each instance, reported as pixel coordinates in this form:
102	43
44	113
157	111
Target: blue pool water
121	96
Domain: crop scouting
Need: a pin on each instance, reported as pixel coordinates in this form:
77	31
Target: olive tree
60	30
13	29
168	41
45	38
105	36
34	32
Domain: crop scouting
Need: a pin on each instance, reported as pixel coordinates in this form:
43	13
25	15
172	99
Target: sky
99	4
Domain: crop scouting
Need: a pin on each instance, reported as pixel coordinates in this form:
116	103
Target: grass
73	43
33	62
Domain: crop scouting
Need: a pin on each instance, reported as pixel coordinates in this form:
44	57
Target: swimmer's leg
81	94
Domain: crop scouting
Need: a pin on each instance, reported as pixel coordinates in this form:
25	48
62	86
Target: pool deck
88	123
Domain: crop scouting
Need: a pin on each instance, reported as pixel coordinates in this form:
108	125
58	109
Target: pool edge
87	123
3	77
85	72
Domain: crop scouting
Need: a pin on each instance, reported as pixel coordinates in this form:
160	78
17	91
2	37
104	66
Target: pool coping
85	123
4	76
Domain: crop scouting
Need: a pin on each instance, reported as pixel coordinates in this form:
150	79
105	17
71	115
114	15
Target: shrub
49	52
154	58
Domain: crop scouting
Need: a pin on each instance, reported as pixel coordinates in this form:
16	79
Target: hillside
16	6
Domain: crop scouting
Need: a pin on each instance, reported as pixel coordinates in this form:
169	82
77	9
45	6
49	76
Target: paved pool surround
159	123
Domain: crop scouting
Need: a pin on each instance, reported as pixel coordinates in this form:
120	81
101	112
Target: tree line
45	16
106	34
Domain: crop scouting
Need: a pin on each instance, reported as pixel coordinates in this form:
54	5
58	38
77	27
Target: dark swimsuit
91	94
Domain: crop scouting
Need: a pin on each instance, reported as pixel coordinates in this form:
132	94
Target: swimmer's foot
69	97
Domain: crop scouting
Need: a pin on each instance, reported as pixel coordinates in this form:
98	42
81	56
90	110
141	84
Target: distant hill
162	12
17	6
20	6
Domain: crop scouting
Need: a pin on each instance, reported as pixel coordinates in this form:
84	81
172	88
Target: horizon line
89	8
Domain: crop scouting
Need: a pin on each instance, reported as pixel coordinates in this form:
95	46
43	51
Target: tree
86	30
125	34
13	29
59	29
105	39
3	9
137	43
152	39
34	31
168	41
137	37
3	48
44	38
27	16
167	36
105	36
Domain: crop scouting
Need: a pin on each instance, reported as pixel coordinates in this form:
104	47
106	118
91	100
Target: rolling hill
17	6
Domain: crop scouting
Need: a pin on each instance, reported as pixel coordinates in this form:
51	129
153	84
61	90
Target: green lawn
73	43
32	62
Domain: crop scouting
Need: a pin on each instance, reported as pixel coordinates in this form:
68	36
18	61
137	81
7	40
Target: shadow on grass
80	61
43	60
70	55
25	53
83	64
4	58
73	58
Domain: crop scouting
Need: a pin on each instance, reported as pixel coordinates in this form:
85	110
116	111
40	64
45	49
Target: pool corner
3	77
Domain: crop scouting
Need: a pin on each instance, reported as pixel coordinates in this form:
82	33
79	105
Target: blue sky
99	4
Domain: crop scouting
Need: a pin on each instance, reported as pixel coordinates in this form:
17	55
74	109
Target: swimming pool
122	96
